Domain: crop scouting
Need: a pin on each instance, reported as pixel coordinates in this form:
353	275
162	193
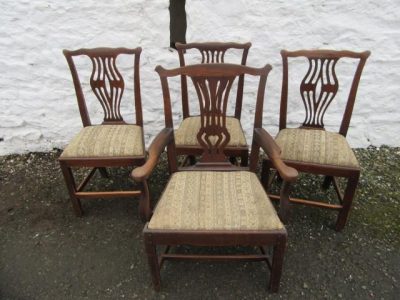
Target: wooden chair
114	143
215	203
311	148
185	136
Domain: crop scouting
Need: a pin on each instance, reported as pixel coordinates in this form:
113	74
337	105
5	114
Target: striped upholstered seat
186	134
207	200
316	146
106	141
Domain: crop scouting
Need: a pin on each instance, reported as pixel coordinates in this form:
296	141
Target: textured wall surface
38	105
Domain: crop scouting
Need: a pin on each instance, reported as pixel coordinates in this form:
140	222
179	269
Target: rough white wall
38	109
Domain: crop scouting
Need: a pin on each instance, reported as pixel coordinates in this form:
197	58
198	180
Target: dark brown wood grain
267	143
106	82
213	82
321	68
213	52
318	89
108	87
164	138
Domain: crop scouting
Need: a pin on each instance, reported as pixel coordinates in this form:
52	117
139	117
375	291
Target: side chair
113	143
310	148
215	203
185	136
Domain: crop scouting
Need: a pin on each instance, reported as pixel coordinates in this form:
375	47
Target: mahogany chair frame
215	158
314	120
104	63
213	52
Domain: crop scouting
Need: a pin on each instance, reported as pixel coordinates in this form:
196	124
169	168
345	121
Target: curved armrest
268	144
163	138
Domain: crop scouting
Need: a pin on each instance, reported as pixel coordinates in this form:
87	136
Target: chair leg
347	202
104	173
327	182
152	259
284	203
171	154
144	202
70	182
277	264
192	160
265	173
188	160
244	159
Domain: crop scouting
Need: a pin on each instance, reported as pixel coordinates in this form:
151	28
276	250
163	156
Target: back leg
277	265
152	259
327	182
103	172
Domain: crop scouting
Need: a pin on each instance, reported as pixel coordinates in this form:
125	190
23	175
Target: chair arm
163	138
268	144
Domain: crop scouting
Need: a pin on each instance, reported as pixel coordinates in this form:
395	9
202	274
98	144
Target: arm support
267	143
156	148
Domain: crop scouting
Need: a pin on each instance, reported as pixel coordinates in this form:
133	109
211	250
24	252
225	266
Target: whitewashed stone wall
38	109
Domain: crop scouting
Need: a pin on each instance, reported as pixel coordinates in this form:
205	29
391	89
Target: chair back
213	83
212	52
106	82
320	85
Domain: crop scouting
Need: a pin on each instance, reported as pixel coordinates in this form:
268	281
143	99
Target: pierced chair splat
310	148
186	134
213	202
113	143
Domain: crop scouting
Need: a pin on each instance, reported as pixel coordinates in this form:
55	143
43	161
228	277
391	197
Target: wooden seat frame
321	63
104	74
213	52
214	158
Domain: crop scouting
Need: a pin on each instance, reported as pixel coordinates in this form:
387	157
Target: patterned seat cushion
186	134
106	141
316	146
207	200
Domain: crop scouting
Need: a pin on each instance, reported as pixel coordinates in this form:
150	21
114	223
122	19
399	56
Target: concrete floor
48	253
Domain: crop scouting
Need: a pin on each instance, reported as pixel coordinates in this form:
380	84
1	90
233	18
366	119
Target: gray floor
48	253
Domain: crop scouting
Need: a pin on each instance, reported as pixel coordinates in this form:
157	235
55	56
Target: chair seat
106	141
211	200
316	146
186	134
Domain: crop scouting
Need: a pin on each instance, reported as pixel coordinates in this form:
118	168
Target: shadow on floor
48	253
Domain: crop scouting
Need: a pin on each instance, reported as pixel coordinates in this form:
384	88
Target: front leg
71	186
144	202
152	259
